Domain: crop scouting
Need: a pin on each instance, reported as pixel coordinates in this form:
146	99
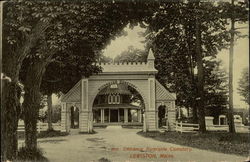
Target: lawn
214	141
45	134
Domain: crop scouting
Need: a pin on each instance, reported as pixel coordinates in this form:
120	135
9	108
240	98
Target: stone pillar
139	115
85	121
171	115
63	117
144	124
125	115
209	120
151	113
179	112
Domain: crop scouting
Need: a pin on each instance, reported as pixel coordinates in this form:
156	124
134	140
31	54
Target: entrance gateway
105	98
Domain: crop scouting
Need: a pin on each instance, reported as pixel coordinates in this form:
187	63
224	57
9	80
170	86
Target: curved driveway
123	145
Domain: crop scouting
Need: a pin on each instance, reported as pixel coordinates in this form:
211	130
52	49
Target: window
118	99
113	99
109	99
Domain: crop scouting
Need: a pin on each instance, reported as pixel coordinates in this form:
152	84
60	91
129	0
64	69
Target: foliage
243	89
173	41
216	88
132	55
51	133
75	33
105	59
99	24
56	115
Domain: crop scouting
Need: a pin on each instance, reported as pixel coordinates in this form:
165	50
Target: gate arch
122	82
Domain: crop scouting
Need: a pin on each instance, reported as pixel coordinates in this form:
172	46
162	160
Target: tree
243	89
21	31
186	35
74	32
231	52
215	88
236	11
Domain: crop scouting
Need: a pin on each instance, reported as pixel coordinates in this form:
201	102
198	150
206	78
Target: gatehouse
122	94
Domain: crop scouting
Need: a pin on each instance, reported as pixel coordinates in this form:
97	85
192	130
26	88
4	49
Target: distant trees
215	88
132	55
236	12
243	89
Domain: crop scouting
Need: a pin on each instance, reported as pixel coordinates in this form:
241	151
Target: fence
40	127
186	127
189	127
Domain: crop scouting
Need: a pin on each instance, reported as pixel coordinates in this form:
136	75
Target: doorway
113	115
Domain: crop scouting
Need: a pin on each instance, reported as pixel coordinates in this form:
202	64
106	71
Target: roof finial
150	55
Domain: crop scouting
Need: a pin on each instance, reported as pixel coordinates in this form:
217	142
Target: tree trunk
195	116
231	53
32	99
200	84
10	112
49	101
10	109
12	61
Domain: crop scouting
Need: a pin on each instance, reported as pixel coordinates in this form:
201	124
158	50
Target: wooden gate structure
139	76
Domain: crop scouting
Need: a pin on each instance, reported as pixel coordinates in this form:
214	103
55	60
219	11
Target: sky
241	55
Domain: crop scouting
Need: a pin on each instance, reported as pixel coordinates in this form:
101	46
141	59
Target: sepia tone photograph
124	80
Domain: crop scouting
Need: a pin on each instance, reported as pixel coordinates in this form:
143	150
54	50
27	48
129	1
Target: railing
186	127
189	127
40	127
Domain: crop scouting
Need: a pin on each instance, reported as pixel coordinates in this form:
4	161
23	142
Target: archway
162	116
74	117
98	106
119	104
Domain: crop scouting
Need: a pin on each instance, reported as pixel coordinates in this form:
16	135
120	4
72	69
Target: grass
51	133
45	134
214	141
100	126
132	126
93	132
30	155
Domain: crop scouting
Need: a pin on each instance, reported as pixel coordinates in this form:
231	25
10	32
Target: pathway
123	145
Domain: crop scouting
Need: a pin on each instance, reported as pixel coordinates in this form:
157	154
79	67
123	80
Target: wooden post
102	115
109	115
125	115
181	126
179	112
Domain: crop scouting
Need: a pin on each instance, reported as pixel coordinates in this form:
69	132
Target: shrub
51	133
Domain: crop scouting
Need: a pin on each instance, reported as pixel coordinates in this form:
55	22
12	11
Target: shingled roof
115	89
73	95
162	93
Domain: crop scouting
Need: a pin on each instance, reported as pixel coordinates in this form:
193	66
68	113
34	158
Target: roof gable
73	95
162	93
